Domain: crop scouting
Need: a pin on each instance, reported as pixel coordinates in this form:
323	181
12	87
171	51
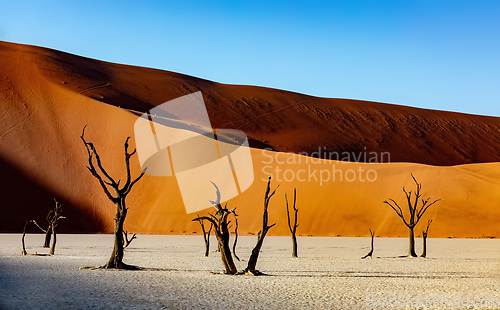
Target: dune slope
284	121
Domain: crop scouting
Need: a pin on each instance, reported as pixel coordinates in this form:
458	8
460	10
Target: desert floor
328	275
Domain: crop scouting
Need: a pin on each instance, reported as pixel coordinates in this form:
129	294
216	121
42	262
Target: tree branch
235	234
216	203
34	222
135	181
126	240
206	218
399	212
295	225
127	164
288	214
424	207
92	151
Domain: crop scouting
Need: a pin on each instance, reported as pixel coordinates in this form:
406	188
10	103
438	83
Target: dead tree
206	234
424	237
126	240
105	180
51	219
24	234
54	216
293	230
50	233
220	223
372	234
235	236
415	211
252	262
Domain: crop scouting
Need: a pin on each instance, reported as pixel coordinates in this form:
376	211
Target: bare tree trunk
116	259
293	230
424	236
235	237
207	243
24	234
48	234
370	254
294	244
411	252
206	235
252	262
53	247
424	251
226	256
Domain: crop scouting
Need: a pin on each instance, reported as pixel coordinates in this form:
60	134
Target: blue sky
425	53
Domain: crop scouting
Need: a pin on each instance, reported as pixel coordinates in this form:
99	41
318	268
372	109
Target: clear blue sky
425	53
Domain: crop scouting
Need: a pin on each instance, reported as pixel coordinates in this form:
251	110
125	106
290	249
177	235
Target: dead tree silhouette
206	234
293	230
105	180
52	218
424	238
370	254
415	211
252	262
220	223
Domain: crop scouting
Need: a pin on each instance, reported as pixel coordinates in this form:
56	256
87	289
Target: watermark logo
176	138
322	166
432	302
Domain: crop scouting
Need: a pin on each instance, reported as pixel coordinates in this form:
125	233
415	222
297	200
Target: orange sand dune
282	120
48	96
